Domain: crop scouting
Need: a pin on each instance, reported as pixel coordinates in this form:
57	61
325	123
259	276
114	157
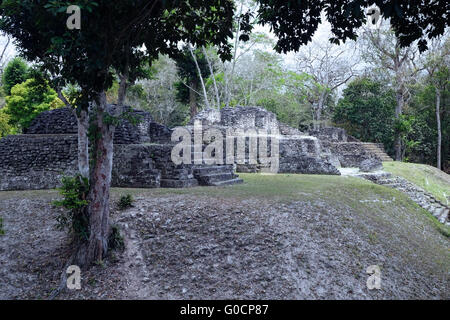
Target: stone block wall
133	167
36	161
330	134
58	121
63	121
352	154
238	117
32	162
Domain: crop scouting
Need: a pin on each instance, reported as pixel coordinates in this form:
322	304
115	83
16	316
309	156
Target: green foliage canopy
27	100
16	72
366	111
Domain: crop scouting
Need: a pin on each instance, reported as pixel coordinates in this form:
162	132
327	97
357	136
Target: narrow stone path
424	199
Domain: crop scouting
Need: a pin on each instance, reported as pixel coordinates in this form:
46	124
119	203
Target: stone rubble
423	198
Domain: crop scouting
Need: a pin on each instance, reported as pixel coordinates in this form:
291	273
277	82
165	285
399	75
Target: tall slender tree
437	67
192	68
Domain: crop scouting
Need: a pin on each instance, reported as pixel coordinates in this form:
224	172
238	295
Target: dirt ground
182	246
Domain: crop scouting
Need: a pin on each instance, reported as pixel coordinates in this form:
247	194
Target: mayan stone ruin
316	152
47	150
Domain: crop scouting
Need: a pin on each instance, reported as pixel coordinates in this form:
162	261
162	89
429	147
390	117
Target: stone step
210	179
378	150
228	182
212	169
423	199
445	215
173	183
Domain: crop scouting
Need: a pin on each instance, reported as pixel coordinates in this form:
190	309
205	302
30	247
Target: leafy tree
295	22
425	128
188	64
15	72
27	100
158	93
366	111
109	42
437	67
329	68
382	49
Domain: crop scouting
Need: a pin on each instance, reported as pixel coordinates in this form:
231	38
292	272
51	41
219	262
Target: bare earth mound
274	237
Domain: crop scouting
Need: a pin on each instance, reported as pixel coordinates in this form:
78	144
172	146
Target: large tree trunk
83	143
193	99
100	179
438	121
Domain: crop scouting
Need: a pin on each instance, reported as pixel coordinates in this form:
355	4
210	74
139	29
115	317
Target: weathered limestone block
238	117
370	164
133	167
330	134
353	154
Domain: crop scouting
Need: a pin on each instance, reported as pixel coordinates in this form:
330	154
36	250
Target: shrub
2	232
75	190
115	240
28	99
5	127
125	202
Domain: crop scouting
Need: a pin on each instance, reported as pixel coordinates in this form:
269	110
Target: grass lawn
334	191
428	178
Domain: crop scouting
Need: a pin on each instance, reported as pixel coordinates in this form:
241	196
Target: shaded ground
274	237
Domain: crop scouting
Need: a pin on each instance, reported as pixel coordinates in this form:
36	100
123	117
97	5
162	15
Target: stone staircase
378	150
216	175
424	199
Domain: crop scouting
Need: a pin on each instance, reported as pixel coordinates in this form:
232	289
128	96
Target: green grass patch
277	187
428	178
346	192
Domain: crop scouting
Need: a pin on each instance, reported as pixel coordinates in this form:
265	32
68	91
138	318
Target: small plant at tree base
125	202
75	191
2	232
115	240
